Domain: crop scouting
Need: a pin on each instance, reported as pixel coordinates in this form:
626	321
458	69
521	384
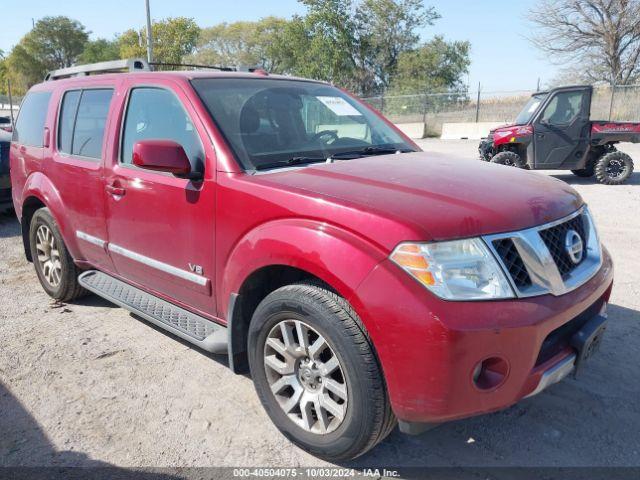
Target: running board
187	325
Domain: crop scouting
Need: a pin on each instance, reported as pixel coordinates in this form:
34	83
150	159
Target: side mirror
162	156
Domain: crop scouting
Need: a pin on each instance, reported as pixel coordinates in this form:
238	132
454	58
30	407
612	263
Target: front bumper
430	349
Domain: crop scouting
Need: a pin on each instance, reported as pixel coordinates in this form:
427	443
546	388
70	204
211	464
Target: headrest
249	120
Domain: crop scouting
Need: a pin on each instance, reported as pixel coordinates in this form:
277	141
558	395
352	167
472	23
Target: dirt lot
88	384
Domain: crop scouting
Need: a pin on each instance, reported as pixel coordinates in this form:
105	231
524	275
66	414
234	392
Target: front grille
536	260
554	239
509	255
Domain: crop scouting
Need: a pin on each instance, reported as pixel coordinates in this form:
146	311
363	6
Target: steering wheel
326	133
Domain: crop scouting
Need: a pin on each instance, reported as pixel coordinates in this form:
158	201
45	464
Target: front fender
335	255
40	187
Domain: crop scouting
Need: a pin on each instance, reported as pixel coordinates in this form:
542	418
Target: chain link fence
5	110
434	109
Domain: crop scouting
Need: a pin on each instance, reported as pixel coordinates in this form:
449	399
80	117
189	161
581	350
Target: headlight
457	270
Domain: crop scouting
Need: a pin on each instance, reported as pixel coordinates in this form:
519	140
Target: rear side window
83	118
155	113
29	128
67	120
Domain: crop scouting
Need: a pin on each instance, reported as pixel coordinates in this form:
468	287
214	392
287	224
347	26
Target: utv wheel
614	168
316	374
586	172
54	266
509	159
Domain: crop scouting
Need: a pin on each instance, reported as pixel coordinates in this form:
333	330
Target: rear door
561	137
77	167
161	227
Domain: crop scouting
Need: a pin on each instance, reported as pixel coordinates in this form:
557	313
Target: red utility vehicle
554	132
287	223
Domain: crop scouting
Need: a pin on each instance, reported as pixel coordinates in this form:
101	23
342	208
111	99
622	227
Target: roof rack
193	65
115	66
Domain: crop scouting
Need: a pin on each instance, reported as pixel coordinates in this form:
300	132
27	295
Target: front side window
564	108
157	114
29	129
271	122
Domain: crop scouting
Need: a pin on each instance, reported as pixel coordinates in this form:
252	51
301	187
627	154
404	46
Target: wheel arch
272	256
38	193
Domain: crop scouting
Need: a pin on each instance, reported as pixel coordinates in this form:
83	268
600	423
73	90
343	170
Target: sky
502	58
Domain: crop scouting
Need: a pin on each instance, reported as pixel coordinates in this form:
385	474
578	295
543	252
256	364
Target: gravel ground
88	384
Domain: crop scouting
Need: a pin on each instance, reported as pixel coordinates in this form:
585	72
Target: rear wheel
614	168
316	374
54	266
510	159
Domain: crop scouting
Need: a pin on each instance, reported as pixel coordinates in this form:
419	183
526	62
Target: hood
437	196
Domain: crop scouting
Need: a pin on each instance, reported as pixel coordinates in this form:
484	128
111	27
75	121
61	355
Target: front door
161	227
561	137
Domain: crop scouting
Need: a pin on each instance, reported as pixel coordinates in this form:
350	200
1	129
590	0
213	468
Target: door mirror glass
162	156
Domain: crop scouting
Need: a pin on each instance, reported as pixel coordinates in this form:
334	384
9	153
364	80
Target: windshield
276	123
530	109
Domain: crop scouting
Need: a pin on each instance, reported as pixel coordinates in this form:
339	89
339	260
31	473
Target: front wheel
586	172
510	159
316	374
614	168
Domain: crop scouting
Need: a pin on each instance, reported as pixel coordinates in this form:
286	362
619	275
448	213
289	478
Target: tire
364	413
586	172
614	168
509	159
55	268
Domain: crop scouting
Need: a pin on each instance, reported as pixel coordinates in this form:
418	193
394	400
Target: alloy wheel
305	377
48	256
615	169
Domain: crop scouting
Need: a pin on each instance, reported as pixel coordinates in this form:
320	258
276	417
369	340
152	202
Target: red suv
285	222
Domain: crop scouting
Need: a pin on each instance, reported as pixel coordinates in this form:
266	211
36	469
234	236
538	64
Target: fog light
490	373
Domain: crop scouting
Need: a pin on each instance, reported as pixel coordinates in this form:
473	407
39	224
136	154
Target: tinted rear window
91	119
67	120
29	129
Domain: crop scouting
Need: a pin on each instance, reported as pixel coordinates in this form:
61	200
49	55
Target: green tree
389	28
355	44
173	38
242	43
324	45
435	66
100	50
3	73
54	42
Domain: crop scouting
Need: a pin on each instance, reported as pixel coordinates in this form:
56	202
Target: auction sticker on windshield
339	106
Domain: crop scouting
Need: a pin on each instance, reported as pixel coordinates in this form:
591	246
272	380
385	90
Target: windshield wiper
364	152
368	151
291	161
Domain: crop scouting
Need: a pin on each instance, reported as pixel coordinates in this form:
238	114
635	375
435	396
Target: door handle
115	191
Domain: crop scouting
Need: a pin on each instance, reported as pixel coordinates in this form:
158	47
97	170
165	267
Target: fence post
478	105
424	109
613	94
382	101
